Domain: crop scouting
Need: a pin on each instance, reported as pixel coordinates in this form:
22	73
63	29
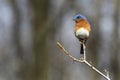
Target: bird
82	30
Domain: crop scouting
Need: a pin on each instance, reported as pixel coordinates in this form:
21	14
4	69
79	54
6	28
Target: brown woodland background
29	30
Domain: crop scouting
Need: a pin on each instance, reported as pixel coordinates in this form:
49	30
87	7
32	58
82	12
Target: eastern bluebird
82	30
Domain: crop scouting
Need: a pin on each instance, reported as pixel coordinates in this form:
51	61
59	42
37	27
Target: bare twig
66	52
83	60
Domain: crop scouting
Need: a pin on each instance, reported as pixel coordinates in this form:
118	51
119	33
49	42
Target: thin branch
66	52
83	60
84	51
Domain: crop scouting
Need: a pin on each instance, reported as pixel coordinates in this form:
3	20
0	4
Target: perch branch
83	60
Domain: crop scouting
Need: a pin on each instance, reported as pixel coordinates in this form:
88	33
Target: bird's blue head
79	17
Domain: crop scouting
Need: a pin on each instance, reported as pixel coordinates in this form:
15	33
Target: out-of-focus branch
83	60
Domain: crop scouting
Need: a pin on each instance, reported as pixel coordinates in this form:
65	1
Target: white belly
82	33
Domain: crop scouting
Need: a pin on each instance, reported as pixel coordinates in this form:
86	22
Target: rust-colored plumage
82	30
82	24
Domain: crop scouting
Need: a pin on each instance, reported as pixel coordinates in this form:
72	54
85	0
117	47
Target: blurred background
29	30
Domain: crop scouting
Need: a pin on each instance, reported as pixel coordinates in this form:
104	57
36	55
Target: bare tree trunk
40	8
115	42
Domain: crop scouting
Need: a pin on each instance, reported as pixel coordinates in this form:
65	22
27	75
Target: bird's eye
78	17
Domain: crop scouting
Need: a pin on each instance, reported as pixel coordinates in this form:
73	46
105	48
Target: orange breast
82	24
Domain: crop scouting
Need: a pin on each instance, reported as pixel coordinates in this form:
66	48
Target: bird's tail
81	50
